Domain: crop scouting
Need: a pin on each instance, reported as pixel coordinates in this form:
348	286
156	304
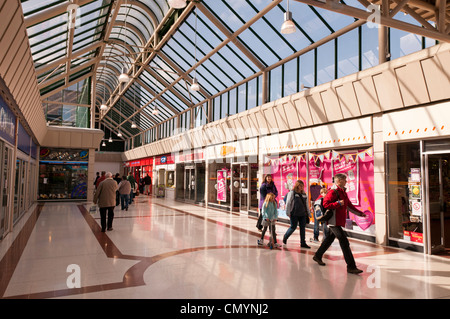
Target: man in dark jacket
338	200
147	184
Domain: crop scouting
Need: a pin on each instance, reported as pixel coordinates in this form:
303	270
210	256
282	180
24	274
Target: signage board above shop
165	159
7	122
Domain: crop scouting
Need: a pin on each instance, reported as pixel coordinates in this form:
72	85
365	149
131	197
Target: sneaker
314	240
110	228
354	271
319	261
277	245
260	242
305	246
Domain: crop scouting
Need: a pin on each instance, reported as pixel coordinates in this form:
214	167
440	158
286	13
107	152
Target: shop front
303	155
418	179
164	176
63	174
191	177
233	176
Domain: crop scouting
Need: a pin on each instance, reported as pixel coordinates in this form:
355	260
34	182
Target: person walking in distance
105	197
124	191
338	200
147	184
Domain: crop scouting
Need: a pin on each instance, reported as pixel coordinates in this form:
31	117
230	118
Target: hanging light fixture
119	134
104	144
177	4
124	77
288	25
104	107
155	111
110	139
133	125
195	86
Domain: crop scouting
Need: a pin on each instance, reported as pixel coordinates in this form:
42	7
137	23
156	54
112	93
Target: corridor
161	249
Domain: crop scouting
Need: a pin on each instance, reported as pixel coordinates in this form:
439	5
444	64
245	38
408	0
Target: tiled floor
165	250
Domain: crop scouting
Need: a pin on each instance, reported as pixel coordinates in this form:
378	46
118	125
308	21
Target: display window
316	170
404	192
219	183
63	174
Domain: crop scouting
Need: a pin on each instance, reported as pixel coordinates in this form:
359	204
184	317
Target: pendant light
177	4
155	111
104	107
124	77
195	86
133	125
119	134
288	25
104	144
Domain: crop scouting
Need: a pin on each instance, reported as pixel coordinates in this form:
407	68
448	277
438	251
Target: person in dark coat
298	212
268	186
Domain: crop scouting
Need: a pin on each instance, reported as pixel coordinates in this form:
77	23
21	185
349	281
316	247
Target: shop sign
221	185
165	159
7	122
190	157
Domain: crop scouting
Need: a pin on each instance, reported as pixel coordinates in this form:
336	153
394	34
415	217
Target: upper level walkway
161	249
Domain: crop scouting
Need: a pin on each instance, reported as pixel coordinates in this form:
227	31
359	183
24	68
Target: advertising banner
222	185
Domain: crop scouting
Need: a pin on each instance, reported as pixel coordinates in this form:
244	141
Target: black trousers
103	211
337	232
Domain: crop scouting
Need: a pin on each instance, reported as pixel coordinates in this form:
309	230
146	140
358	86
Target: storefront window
219	183
63	174
404	191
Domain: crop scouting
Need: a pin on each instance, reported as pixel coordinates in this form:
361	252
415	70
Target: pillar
379	161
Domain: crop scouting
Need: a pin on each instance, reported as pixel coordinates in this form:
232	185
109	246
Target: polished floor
162	249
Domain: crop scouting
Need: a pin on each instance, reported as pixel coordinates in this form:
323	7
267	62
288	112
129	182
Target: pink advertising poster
351	169
222	185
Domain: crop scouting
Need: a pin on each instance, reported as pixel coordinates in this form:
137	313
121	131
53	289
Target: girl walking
269	216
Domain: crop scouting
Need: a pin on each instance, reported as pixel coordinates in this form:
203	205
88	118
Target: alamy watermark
74	279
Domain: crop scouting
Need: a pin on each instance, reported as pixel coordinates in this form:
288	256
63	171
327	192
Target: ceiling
224	44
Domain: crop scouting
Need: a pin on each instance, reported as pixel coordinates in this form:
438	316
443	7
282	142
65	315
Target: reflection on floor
161	249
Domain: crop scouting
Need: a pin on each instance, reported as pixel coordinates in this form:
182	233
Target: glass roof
226	44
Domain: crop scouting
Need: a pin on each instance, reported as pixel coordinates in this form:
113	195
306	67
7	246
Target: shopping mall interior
193	104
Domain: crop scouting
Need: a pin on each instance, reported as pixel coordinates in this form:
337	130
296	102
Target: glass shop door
438	202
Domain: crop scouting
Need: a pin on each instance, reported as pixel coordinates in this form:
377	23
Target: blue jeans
317	228
130	199
124	200
296	220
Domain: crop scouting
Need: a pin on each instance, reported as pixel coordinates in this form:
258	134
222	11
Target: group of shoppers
298	213
107	191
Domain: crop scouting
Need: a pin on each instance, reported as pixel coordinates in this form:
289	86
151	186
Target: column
379	160
91	175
